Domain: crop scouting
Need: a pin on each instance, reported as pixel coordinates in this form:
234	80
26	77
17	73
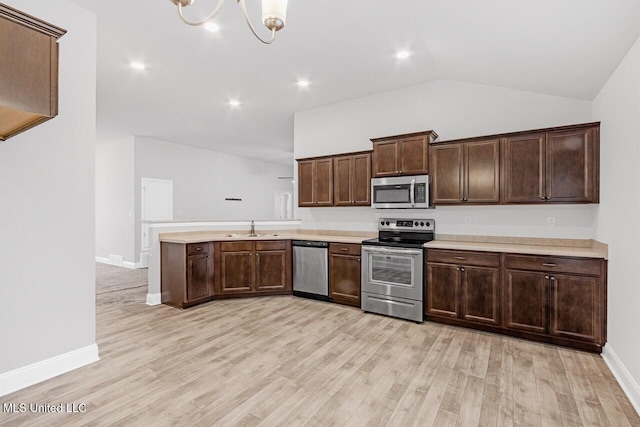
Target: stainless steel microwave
400	192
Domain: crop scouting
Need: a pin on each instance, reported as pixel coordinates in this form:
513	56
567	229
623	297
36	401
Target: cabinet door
482	171
323	182
236	272
526	296
572	167
271	271
305	183
523	169
361	180
575	307
480	294
414	156
442	290
344	279
199	278
385	158
342	180
447	171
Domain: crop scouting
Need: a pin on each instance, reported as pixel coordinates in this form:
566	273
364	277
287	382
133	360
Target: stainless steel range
392	268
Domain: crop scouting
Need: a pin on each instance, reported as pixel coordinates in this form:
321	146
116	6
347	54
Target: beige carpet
119	285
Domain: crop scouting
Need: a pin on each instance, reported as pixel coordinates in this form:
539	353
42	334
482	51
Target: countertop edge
596	251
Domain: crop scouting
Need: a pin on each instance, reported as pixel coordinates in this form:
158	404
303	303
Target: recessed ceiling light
234	102
213	27
303	83
402	54
138	65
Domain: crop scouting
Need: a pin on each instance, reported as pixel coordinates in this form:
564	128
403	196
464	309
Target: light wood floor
285	361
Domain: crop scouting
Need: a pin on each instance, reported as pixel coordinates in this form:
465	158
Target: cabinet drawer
590	267
485	259
276	245
345	248
197	248
236	246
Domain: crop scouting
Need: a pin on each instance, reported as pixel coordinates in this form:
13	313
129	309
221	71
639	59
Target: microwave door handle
413	193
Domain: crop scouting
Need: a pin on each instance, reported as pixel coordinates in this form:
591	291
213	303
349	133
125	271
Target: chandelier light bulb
212	27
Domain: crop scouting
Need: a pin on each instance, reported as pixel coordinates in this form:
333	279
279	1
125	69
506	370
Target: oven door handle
398	251
412	194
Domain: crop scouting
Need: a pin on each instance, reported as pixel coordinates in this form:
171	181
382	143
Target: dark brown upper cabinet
28	71
465	172
340	180
352	180
402	154
556	166
315	182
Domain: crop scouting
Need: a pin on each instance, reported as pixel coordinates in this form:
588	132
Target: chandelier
273	15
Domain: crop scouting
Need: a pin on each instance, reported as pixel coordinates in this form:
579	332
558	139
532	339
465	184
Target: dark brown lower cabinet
463	287
187	273
526	298
253	267
443	284
576	307
559	300
480	292
344	273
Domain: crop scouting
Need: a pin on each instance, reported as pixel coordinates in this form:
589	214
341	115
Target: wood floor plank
290	361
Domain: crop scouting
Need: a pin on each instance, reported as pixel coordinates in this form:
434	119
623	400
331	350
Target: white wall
618	107
115	199
202	179
47	270
454	110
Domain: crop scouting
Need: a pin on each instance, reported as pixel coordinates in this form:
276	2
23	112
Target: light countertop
218	236
532	246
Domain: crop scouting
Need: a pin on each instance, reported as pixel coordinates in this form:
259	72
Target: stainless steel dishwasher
311	269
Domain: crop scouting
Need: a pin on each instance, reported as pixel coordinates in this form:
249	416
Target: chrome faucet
253	228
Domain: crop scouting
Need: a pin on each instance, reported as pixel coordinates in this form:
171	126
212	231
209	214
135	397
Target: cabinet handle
358	259
458	268
344	249
548	264
546	277
542	197
461	199
198	249
460	257
461	268
553	278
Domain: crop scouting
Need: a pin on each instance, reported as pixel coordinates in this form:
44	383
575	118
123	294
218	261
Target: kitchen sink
252	235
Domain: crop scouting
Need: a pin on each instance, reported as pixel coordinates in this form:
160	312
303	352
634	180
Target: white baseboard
133	265
627	382
41	371
154	299
125	264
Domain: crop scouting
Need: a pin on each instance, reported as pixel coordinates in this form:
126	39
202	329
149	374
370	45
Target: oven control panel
406	224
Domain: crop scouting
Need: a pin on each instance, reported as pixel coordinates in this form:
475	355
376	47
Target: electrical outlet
467	220
551	221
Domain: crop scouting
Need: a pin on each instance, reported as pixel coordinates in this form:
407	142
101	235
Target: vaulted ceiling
346	49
